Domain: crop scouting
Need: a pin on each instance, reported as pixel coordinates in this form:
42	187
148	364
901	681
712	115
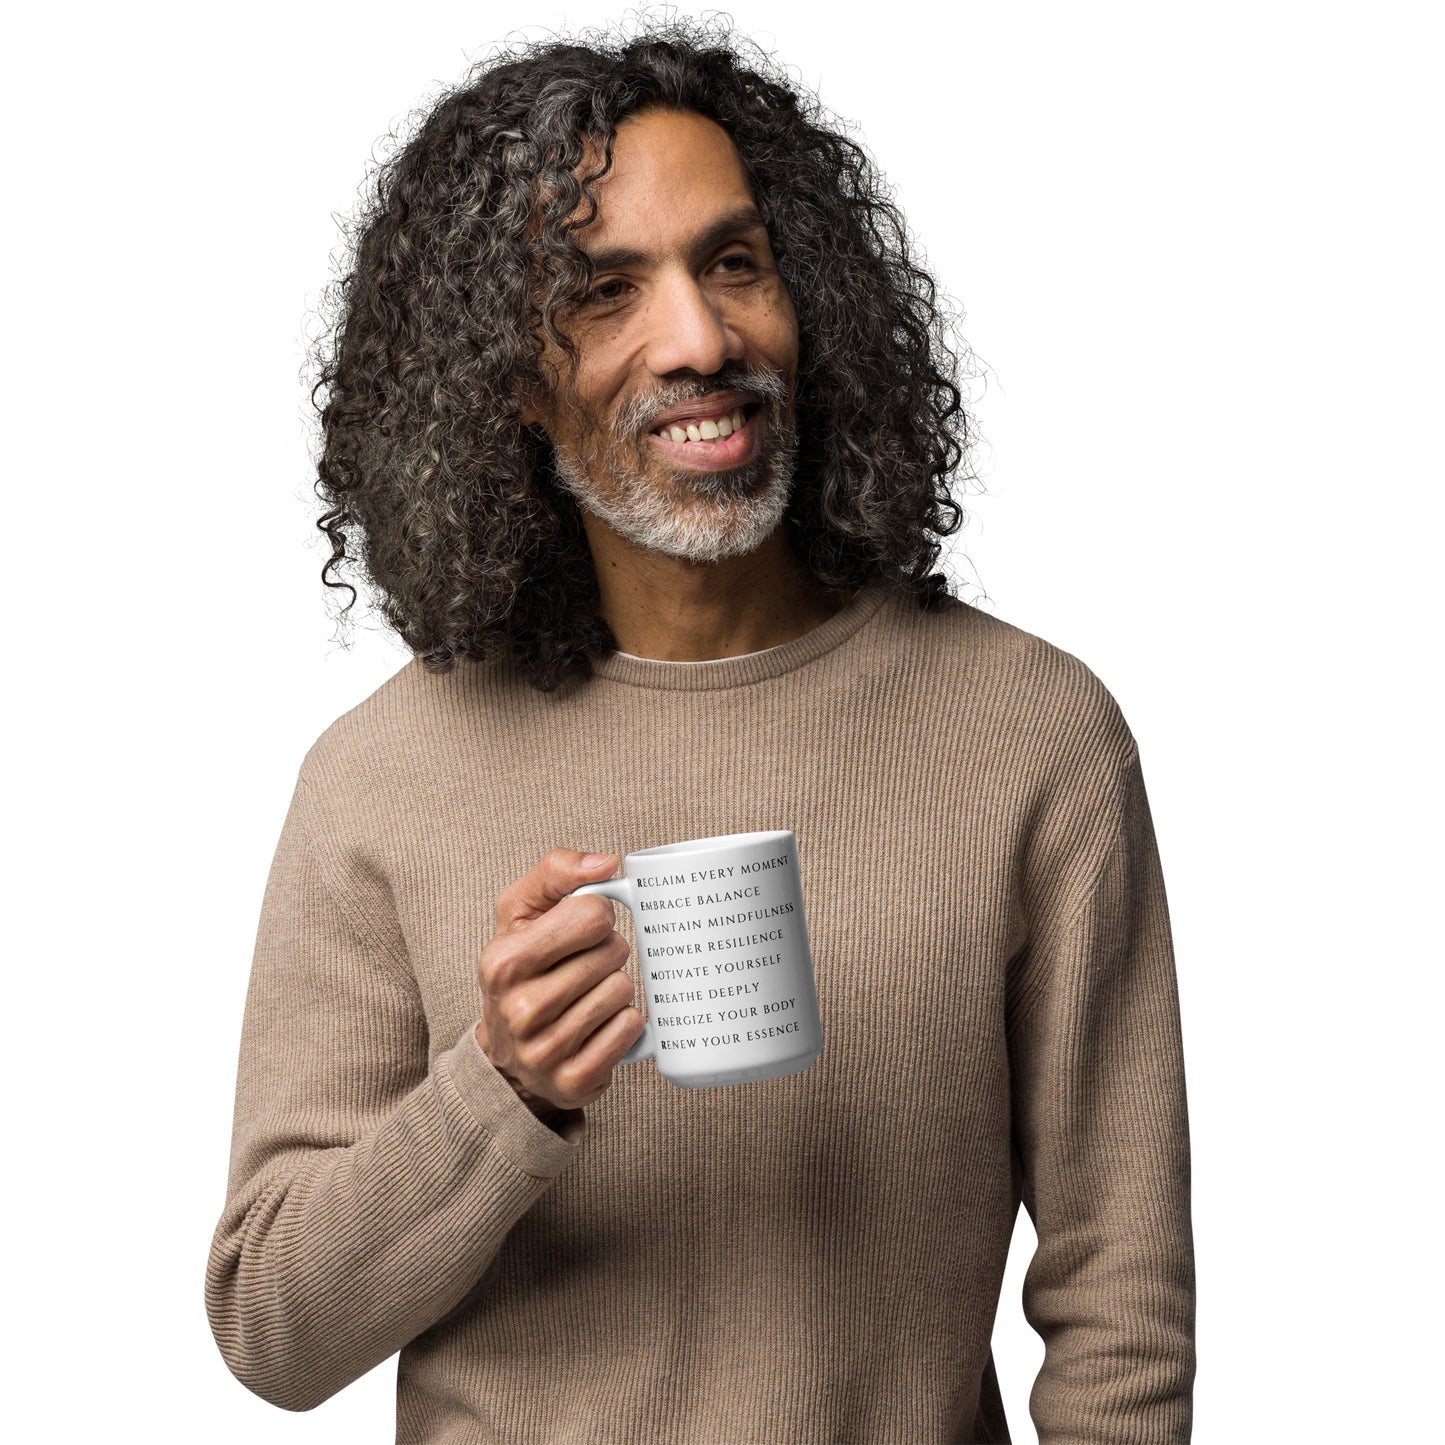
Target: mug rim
713	844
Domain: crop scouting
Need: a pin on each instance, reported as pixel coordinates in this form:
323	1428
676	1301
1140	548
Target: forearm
1101	1128
334	1259
1110	1291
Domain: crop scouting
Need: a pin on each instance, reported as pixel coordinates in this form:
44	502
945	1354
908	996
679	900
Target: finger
541	1002
600	1051
512	959
542	1052
549	881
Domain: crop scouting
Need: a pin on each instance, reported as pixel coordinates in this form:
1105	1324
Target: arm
1102	1141
366	1193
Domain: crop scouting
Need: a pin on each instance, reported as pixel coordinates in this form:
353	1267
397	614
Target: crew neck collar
720	672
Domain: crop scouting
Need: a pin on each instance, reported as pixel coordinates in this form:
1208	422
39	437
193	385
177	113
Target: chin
710	532
695	516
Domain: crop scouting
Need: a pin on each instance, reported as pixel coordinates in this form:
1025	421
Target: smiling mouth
707	430
718	443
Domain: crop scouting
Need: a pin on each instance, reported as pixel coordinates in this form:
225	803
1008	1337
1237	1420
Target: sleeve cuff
542	1150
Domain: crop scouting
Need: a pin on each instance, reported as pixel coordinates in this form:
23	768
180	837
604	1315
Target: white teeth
705	431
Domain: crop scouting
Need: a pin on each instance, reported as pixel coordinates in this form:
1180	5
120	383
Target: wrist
542	1108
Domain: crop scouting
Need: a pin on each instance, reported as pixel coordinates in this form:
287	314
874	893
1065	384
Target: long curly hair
442	500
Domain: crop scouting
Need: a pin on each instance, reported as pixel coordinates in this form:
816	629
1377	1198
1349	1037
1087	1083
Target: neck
678	611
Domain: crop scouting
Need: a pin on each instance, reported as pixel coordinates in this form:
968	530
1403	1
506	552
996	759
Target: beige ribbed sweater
803	1261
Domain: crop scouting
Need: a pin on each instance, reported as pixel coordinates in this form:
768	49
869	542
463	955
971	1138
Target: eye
603	294
746	263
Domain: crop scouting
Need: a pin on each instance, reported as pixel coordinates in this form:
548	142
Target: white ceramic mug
722	946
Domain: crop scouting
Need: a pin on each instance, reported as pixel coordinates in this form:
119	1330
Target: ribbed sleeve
1101	1133
367	1192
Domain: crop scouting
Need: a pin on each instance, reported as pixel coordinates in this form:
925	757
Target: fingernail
596	860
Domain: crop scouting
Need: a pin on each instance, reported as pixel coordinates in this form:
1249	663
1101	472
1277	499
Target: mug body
722	948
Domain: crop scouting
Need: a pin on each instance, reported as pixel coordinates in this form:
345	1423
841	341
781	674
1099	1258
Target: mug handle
620	890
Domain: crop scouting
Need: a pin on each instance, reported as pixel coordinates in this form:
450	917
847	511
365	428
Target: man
641	422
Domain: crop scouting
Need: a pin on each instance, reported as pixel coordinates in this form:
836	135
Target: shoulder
1032	723
394	743
998	679
366	736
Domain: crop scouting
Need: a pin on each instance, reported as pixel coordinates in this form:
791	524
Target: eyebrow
735	223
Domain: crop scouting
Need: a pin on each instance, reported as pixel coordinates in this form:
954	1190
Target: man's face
688	329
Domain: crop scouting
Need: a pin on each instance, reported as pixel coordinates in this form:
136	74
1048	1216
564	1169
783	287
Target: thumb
549	881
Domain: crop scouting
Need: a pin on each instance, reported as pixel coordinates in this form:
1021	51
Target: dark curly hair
437	493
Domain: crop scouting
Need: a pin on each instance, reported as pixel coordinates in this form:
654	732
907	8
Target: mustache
635	418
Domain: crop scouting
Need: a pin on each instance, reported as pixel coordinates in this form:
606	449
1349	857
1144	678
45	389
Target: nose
689	331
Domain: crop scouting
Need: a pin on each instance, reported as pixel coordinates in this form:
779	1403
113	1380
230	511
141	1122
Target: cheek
602	384
778	329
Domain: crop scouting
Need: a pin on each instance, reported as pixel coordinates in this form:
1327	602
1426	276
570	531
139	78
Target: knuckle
567	1081
519	1013
527	1014
498	966
599	912
531	1055
487	969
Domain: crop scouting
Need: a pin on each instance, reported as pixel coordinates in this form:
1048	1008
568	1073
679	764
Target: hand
556	1003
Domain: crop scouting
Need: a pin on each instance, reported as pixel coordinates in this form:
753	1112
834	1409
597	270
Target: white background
1193	250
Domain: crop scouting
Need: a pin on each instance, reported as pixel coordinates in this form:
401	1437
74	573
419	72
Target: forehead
673	174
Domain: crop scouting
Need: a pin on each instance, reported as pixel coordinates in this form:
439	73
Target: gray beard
704	517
